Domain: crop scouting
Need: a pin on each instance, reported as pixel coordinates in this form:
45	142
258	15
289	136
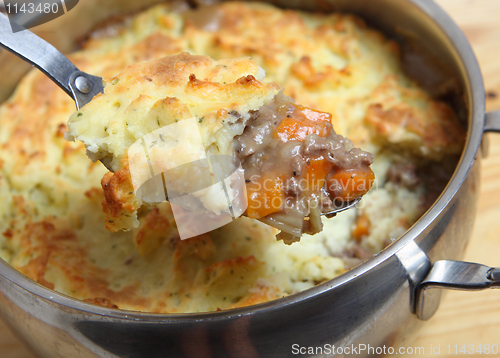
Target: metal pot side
372	305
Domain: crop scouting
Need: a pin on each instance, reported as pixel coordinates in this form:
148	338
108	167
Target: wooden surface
473	318
464	318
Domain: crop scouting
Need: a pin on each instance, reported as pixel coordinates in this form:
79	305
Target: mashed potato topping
52	226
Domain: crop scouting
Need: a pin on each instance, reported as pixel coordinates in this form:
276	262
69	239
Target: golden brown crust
58	255
173	71
155	46
312	79
150	95
35	269
429	129
101	302
120	203
158	227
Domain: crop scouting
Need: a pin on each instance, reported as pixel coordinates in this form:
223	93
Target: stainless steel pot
380	303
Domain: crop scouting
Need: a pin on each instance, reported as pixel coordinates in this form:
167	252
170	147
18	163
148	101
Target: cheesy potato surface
53	227
150	95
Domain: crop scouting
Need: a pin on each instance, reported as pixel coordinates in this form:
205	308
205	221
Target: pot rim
476	98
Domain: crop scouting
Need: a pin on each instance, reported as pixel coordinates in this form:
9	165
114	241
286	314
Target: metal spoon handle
80	86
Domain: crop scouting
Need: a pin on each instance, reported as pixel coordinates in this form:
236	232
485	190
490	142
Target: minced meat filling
295	164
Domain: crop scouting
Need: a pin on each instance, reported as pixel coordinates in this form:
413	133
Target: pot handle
455	275
492	122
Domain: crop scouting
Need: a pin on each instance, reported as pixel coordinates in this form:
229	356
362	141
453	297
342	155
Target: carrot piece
301	123
314	115
292	129
349	184
265	196
317	170
362	227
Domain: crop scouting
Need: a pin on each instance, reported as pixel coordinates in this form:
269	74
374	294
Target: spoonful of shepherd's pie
214	140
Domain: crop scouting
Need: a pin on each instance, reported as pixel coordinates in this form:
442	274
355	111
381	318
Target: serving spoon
80	86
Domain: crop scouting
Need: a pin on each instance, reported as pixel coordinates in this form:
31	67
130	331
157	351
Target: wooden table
463	317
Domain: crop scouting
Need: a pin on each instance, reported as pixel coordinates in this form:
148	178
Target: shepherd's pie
53	227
